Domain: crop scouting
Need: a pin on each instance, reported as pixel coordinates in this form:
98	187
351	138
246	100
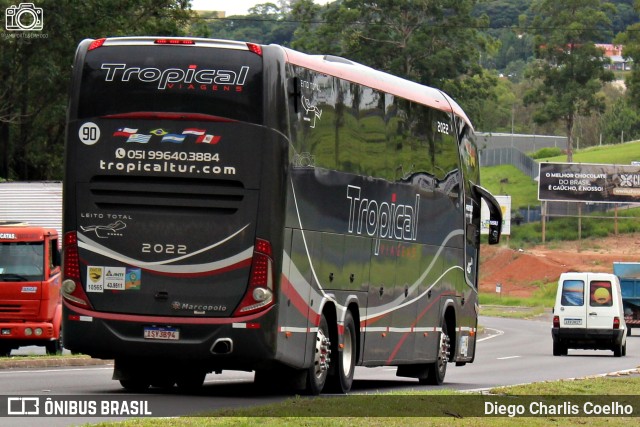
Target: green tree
433	42
620	122
631	41
265	23
36	68
569	71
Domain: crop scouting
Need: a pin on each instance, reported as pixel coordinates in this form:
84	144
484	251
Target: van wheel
620	350
560	349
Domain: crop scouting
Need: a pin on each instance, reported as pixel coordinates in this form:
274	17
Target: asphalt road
510	352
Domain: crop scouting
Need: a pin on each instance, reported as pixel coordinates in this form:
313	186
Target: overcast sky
233	7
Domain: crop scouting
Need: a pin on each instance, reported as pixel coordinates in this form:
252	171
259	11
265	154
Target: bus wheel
135	385
191	381
317	373
341	377
438	369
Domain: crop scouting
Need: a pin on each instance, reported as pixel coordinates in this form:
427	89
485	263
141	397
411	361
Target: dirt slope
518	270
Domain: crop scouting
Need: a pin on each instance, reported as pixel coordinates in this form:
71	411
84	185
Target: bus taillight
255	48
71	286
174	41
96	44
259	294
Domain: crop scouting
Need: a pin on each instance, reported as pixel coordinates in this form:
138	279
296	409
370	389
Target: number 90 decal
89	133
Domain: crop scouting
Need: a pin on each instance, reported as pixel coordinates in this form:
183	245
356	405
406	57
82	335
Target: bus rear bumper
222	345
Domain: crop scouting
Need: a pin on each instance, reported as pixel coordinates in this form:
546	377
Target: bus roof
327	64
367	76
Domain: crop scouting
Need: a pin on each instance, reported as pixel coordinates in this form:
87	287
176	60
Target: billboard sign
585	182
505	207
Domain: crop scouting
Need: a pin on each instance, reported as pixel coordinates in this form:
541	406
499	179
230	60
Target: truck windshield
21	262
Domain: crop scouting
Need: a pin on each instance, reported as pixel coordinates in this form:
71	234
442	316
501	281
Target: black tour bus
233	206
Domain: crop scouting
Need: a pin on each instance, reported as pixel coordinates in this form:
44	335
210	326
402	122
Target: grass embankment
443	408
542	300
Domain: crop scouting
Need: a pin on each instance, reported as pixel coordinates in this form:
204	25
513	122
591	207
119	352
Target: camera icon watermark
24	17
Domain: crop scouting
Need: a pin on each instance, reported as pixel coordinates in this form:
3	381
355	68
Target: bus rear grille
214	196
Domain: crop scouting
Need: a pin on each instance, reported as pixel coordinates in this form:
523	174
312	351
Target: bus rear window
183	79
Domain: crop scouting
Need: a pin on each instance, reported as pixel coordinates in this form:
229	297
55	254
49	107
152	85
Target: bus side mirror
495	214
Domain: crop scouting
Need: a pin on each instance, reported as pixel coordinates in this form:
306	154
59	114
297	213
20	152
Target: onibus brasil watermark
70	406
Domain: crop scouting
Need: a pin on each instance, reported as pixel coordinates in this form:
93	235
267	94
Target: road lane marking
508	357
495	333
61	369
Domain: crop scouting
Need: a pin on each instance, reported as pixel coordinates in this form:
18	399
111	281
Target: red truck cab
30	301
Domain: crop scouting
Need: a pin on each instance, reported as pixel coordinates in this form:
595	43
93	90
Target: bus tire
341	375
135	385
438	369
321	355
190	381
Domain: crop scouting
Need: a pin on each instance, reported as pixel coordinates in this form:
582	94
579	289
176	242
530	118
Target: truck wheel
317	373
341	377
54	347
5	351
438	369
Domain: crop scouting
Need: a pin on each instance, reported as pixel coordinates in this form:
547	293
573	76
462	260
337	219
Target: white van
588	314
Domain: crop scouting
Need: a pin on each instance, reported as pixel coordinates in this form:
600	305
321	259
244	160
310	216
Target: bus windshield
189	79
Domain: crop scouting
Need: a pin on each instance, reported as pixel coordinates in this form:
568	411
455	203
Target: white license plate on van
155	333
573	321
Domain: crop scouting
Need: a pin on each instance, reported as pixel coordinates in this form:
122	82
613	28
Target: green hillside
509	181
619	154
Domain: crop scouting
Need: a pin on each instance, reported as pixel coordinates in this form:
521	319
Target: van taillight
71	286
616	323
259	293
556	321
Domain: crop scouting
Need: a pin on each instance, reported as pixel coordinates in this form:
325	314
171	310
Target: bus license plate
154	333
573	321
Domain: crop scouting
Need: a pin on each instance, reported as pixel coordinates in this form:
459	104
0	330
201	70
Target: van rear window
572	293
600	294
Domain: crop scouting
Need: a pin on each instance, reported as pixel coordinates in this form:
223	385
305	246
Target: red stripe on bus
413	325
299	302
120	317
